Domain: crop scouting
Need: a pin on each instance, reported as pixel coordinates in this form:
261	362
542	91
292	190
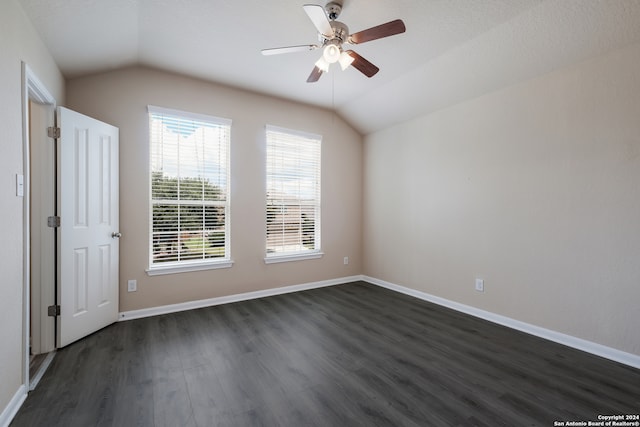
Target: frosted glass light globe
331	53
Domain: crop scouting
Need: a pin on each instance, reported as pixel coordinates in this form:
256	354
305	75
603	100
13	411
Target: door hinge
53	132
53	310
53	221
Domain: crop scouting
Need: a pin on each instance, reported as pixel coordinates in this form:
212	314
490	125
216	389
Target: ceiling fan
333	34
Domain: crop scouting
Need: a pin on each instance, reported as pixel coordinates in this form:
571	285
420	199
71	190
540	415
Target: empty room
340	213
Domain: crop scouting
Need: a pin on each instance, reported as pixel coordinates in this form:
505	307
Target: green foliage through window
189	182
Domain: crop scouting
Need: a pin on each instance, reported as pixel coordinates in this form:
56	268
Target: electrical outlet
480	285
132	285
346	260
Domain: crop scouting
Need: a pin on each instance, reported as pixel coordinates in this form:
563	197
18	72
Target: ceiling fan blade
362	65
315	75
289	49
383	30
319	18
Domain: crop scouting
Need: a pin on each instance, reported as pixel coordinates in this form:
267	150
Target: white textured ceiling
452	50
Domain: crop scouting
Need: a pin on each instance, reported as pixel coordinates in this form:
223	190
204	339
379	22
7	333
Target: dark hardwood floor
346	355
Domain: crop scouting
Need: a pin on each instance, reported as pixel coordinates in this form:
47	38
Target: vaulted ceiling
452	50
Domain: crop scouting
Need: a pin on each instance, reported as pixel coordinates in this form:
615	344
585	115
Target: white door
88	235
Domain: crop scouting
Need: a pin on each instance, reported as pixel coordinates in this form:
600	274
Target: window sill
297	257
174	269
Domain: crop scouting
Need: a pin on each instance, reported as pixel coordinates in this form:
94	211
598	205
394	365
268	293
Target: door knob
116	235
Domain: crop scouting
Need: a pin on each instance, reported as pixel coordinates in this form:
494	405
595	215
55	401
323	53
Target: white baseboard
41	370
191	305
568	340
14	405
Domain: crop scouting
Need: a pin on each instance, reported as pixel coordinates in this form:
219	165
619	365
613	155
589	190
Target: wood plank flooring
347	355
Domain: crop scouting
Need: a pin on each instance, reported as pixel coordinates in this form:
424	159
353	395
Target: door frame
35	91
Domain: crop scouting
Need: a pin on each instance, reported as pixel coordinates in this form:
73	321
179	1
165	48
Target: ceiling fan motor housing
340	31
340	34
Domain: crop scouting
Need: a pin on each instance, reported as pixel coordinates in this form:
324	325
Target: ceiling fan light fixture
345	60
331	53
332	34
322	64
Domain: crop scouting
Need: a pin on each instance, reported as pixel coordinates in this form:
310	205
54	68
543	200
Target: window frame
271	258
171	267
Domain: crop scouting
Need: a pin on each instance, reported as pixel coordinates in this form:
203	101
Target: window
189	191
293	195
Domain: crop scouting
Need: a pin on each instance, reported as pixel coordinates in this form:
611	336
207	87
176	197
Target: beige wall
18	42
535	188
121	98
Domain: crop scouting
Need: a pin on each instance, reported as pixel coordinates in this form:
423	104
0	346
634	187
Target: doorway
42	195
39	240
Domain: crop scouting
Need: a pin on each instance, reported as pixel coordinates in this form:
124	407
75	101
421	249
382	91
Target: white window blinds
189	188
293	192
